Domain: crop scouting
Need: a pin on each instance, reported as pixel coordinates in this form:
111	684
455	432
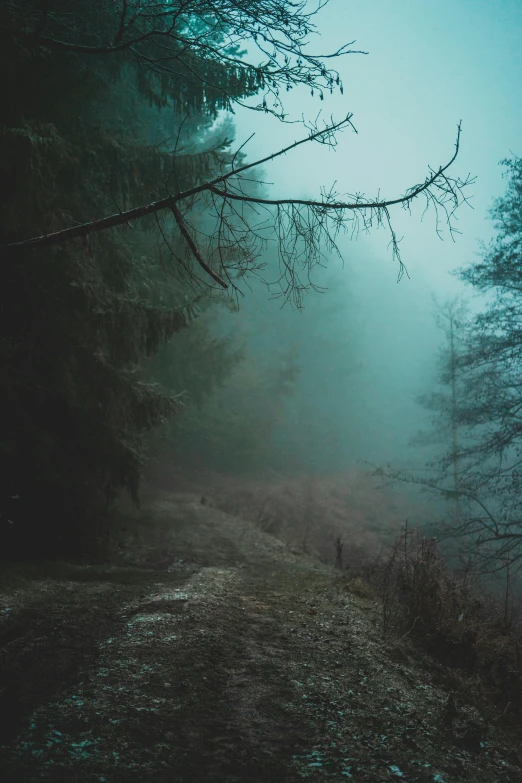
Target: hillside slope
211	652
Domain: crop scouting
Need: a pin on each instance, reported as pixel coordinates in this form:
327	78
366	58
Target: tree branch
327	206
178	217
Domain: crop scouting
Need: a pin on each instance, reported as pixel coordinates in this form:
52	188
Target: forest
217	404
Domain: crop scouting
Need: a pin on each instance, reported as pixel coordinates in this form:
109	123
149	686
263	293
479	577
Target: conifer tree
447	404
81	137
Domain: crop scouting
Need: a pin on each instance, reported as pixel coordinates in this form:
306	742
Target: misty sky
429	66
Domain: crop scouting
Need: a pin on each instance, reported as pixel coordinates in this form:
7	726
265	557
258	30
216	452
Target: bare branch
306	228
192	245
121	30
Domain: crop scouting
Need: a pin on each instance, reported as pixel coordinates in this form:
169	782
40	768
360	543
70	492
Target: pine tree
82	136
447	405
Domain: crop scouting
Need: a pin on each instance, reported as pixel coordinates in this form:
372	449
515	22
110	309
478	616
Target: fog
367	344
323	388
261	489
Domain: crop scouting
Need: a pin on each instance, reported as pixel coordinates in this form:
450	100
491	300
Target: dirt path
232	659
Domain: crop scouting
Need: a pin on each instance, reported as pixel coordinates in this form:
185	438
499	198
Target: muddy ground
207	650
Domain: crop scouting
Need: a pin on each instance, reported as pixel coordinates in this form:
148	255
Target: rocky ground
208	650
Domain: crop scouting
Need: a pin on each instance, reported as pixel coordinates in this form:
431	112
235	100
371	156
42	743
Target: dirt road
213	653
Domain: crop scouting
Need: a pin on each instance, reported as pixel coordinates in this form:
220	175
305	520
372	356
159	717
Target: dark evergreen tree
80	137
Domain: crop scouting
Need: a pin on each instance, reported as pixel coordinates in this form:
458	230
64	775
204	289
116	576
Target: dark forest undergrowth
206	649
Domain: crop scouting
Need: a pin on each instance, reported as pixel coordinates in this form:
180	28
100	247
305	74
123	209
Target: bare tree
305	230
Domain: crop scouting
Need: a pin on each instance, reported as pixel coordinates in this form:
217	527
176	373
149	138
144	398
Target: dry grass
308	512
423	599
